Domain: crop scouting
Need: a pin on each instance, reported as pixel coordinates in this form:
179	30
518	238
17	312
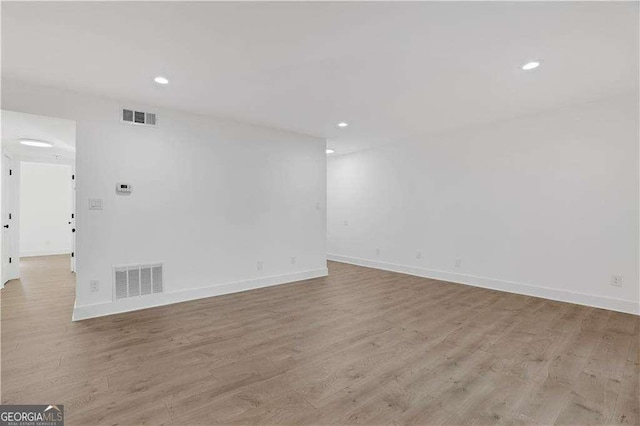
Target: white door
9	258
72	220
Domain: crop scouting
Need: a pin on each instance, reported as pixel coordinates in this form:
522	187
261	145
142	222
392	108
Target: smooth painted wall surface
45	209
544	205
210	197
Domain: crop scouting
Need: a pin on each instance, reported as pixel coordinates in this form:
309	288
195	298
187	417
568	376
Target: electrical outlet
458	263
94	286
317	206
294	260
95	203
616	280
377	252
260	265
419	254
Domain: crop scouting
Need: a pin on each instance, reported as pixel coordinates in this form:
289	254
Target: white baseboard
34	253
161	299
612	304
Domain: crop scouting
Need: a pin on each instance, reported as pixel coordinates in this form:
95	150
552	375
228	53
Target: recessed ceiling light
531	65
161	80
343	124
330	151
37	143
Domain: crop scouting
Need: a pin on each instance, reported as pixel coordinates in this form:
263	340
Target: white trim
161	299
610	303
34	253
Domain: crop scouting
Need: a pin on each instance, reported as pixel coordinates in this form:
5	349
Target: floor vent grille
137	280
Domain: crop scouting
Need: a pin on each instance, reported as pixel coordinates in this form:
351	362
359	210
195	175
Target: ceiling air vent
127	115
138	117
137	280
150	119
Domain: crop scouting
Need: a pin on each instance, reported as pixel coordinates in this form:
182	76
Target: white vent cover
136	280
138	117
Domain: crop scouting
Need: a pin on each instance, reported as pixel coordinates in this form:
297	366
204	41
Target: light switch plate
95	203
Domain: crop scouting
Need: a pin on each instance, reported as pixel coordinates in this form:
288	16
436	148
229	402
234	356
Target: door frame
72	220
10	215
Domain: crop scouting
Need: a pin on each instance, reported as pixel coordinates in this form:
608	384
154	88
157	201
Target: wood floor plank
360	346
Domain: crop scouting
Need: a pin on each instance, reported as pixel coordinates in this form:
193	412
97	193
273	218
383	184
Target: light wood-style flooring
360	346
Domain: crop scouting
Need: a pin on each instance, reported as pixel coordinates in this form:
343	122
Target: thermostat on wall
123	188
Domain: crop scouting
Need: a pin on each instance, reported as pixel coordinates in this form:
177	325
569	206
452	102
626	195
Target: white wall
544	205
45	209
210	198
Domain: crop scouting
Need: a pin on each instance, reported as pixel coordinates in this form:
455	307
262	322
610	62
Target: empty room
314	213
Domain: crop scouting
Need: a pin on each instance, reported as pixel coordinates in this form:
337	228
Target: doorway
45	209
38	191
9	258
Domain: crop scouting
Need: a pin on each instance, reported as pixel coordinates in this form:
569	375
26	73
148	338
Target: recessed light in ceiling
161	80
531	65
330	151
36	143
343	124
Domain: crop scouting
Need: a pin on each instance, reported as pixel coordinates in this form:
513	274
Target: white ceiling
57	131
391	69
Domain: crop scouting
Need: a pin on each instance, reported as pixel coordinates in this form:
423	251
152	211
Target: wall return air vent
138	117
137	280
